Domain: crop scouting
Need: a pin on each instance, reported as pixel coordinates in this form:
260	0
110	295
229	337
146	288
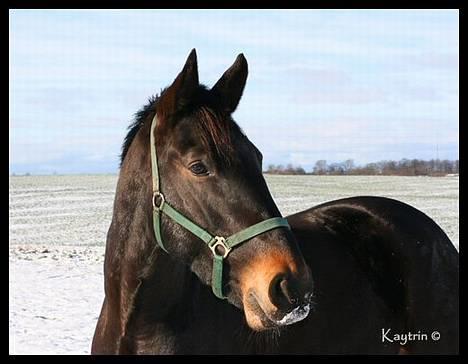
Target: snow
55	298
58	227
298	314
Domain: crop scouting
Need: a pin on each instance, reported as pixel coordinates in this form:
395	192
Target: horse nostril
282	293
288	293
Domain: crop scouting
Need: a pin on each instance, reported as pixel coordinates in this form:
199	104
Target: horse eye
198	168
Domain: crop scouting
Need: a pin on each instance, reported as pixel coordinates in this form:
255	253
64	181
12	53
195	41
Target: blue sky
366	85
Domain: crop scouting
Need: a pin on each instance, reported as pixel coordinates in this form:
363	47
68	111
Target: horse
360	275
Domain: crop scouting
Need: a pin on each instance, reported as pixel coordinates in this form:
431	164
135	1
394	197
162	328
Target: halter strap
219	245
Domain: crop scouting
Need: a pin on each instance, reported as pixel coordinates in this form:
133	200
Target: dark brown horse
357	275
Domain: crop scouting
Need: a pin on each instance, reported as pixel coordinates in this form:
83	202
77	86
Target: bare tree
320	167
348	165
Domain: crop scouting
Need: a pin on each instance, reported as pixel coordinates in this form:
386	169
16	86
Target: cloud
357	138
435	60
320	82
344	95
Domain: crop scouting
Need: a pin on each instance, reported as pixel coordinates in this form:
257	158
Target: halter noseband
219	245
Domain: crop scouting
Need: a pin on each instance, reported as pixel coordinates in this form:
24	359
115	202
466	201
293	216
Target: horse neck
138	273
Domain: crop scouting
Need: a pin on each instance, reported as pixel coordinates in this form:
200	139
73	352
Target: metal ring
219	241
163	200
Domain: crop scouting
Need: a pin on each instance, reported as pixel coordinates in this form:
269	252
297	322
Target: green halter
219	246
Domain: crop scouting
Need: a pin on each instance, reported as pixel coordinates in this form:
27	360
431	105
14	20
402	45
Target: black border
245	4
238	4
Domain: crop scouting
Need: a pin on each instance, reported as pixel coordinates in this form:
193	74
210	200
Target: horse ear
231	84
179	93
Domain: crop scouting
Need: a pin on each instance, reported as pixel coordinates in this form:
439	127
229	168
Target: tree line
403	167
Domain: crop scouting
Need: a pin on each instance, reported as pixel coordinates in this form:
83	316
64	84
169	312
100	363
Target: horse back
402	255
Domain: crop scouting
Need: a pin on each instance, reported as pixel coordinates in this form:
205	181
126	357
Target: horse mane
214	128
139	120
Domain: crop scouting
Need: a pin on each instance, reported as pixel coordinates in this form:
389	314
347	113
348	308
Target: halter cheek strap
219	246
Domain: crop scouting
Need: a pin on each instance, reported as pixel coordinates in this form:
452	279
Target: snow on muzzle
276	291
296	315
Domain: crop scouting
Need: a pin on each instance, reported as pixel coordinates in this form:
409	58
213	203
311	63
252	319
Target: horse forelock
216	133
215	129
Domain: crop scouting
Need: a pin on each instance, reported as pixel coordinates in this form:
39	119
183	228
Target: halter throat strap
219	246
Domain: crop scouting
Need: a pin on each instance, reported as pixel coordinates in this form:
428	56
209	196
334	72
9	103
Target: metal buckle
219	241
163	200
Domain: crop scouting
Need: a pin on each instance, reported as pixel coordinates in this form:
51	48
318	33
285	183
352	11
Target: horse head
210	172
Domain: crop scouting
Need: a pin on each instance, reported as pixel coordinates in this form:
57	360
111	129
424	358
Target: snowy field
58	227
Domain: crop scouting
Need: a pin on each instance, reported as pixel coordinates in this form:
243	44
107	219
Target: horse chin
260	319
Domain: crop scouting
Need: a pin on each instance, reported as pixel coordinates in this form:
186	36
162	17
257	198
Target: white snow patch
55	299
56	270
298	314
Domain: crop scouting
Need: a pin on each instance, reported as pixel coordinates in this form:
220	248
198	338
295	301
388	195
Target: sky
322	84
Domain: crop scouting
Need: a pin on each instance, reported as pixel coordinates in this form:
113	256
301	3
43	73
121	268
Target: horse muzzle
276	293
